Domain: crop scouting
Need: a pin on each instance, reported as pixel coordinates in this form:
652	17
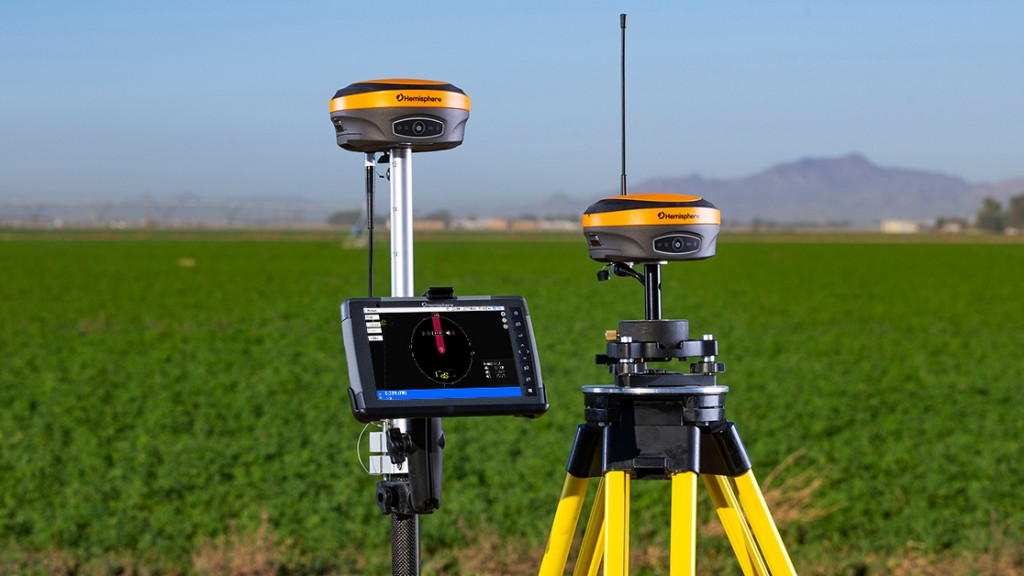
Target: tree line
994	218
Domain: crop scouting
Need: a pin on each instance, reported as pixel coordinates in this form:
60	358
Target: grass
177	405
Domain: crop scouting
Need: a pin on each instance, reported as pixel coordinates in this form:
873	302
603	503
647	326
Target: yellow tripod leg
763	526
682	558
736	529
588	561
564	525
616	522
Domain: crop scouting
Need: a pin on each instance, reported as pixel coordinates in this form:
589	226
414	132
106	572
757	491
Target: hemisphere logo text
402	97
670	216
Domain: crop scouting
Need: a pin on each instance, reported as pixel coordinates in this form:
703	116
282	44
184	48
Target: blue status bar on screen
449	393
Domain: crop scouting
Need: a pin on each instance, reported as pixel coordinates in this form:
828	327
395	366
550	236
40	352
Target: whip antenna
622	24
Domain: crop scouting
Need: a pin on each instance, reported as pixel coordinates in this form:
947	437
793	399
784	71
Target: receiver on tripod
652	423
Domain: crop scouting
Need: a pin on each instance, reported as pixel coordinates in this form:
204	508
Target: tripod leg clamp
584	459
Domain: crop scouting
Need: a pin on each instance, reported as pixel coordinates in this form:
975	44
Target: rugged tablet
425	358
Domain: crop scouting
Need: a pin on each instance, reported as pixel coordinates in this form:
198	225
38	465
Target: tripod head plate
665	391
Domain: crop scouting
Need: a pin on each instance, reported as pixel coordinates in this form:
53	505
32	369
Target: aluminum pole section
401	222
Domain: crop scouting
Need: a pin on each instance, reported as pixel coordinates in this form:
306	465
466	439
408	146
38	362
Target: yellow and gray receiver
379	115
651	228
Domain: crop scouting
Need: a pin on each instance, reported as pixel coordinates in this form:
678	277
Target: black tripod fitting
655	423
656	435
638	342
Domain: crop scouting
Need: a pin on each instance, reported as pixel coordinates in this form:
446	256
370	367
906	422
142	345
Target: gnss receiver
651	228
378	115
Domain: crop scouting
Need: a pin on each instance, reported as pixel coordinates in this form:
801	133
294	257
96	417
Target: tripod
655	424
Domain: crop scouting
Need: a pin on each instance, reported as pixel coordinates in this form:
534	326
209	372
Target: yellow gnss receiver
648	228
378	115
651	228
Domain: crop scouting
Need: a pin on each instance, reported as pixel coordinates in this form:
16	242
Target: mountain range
848	190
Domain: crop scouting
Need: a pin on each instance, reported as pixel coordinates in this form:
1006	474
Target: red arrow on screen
438	334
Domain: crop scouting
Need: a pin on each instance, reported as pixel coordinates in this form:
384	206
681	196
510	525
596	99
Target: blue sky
229	99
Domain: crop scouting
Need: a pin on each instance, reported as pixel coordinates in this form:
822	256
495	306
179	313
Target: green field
169	401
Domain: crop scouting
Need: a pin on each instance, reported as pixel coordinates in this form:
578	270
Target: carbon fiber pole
405	549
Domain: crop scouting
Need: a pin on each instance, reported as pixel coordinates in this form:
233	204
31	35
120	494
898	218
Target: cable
359	441
370	174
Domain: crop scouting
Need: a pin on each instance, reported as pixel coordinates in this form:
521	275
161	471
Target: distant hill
848	189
